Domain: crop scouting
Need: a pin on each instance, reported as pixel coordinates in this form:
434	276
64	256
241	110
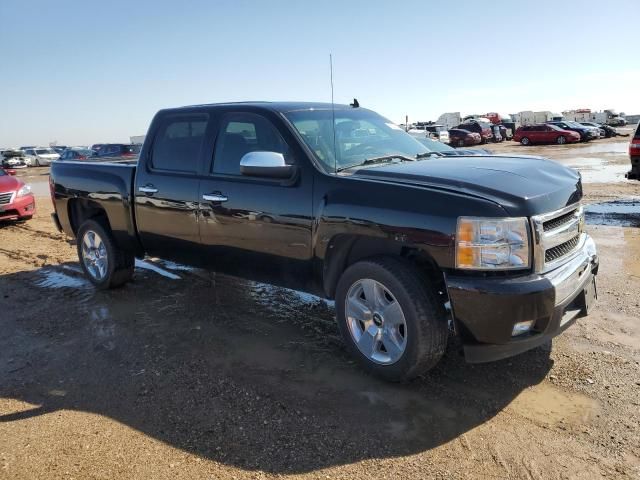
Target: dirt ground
185	374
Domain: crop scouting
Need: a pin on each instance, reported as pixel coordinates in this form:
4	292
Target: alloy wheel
376	321
94	255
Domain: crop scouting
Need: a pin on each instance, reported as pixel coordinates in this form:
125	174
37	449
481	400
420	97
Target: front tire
561	140
525	141
104	263
391	321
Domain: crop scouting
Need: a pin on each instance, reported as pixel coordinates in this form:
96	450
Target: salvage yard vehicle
16	200
407	243
606	131
74	153
12	159
634	155
118	150
545	133
480	127
40	156
459	137
586	133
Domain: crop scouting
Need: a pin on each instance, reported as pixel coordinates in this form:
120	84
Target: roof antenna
333	118
355	103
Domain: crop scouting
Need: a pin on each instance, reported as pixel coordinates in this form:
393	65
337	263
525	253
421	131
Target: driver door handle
214	197
148	189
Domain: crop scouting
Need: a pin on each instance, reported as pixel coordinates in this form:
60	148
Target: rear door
257	228
166	190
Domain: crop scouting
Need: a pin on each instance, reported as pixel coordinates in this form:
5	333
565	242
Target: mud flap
590	294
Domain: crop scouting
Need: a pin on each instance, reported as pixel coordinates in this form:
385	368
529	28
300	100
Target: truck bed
105	184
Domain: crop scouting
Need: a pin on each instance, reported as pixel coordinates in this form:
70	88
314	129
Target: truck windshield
360	135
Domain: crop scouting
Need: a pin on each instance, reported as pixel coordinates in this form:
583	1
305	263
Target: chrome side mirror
265	164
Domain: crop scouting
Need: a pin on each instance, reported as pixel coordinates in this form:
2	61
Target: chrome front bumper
486	309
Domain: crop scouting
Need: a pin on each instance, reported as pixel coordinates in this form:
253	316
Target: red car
463	138
545	133
634	155
16	200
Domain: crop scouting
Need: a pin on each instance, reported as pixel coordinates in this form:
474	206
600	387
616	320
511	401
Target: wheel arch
346	249
82	209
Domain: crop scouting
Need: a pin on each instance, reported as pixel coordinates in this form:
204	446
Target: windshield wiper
428	154
374	160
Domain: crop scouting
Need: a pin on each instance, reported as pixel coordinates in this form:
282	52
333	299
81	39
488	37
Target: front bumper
19	207
486	309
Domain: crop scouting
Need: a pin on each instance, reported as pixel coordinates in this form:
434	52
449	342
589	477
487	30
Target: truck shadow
244	374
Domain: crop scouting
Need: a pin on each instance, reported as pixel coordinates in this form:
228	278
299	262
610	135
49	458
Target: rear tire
525	141
561	140
104	263
399	331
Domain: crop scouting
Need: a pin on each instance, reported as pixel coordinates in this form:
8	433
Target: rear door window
178	143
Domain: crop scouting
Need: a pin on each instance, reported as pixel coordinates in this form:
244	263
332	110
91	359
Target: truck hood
523	186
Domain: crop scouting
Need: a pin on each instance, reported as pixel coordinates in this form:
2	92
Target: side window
241	133
177	144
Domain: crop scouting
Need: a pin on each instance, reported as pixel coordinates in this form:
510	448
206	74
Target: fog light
521	328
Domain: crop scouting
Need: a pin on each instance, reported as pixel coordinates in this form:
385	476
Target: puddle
178	267
549	405
598	170
40	189
154	268
268	295
620	213
54	279
610	147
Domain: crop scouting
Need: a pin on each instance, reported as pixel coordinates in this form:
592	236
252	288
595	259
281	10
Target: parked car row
561	132
32	156
472	131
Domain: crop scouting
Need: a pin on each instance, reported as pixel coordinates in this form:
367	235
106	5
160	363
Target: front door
256	228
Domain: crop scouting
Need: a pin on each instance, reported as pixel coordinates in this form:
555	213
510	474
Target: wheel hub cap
94	255
376	321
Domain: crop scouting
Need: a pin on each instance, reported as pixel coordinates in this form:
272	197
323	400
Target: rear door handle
148	189
214	197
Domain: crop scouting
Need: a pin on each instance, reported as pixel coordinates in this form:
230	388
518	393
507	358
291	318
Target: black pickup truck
340	202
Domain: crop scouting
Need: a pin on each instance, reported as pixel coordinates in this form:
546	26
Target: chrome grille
561	250
558	221
557	235
5	198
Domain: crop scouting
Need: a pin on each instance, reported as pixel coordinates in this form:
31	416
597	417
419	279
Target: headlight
25	190
492	243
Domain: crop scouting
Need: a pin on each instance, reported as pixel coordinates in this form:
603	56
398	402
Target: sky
83	72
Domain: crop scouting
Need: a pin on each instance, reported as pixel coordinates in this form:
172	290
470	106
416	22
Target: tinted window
177	144
241	133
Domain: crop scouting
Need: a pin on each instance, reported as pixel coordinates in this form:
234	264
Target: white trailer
527	117
449	120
